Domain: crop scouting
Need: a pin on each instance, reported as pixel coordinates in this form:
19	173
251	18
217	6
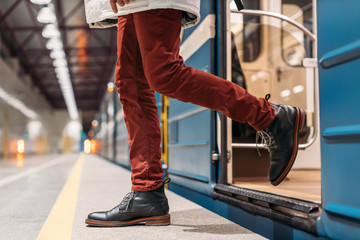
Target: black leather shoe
149	208
281	138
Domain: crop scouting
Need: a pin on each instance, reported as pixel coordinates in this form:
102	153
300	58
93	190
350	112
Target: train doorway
273	51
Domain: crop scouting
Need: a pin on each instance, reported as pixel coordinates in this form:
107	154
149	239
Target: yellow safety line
60	221
164	130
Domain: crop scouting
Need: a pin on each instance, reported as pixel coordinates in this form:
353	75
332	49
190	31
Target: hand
120	2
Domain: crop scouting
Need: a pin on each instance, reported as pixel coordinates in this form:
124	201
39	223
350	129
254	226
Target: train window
295	44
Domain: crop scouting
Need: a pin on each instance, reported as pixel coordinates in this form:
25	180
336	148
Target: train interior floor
49	197
300	183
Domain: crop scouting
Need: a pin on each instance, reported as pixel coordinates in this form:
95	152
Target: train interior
269	56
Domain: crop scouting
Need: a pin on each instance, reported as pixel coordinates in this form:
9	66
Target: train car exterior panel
339	117
190	126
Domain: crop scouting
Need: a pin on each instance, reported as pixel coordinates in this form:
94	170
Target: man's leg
140	110
147	202
158	36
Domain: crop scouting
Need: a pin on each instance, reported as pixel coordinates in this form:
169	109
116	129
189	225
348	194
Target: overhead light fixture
298	89
68	93
50	31
94	123
285	93
60	62
41	2
61	70
65	84
56	54
62	77
110	87
47	15
16	103
54	44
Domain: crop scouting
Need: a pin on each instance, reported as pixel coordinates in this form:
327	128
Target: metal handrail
262	146
278	16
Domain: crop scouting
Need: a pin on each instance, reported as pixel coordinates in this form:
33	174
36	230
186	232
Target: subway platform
49	197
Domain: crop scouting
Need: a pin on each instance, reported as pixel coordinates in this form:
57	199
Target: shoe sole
149	221
299	124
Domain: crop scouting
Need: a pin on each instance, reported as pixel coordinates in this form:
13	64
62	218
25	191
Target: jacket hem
100	23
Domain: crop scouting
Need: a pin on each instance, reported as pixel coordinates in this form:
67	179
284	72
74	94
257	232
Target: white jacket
100	15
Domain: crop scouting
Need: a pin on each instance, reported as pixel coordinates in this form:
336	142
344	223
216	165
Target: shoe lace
266	139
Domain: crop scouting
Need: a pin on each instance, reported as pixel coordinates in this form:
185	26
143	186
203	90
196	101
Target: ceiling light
63	73
54	43
50	31
47	14
15	103
63	77
60	62
298	89
110	87
94	123
41	2
56	54
68	93
285	93
61	70
66	85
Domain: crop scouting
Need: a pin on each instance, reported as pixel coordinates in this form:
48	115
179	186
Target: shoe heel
302	114
158	221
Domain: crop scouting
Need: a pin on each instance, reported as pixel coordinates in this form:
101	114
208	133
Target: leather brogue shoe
281	137
149	208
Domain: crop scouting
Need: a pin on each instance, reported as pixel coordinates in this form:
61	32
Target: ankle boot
281	138
149	208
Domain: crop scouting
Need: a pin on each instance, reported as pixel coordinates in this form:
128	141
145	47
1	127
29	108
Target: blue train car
304	53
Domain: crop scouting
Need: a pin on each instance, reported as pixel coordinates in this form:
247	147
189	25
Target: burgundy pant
148	61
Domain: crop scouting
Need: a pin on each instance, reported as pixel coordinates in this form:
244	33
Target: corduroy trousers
148	60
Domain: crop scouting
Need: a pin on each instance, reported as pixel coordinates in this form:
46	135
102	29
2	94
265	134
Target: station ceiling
90	53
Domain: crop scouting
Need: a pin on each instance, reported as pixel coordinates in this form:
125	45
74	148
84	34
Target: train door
191	127
339	84
273	52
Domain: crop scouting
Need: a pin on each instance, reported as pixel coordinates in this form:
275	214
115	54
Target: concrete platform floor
49	198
